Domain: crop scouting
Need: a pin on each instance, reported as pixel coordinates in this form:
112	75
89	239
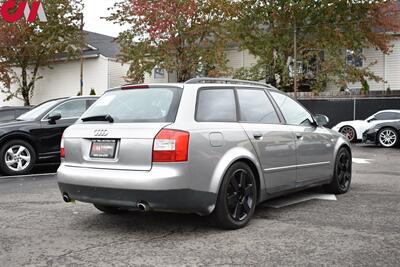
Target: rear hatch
118	131
126	146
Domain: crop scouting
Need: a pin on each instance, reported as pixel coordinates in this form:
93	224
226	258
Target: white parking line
298	198
27	176
361	161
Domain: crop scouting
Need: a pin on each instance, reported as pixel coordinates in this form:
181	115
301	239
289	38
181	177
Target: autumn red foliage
182	36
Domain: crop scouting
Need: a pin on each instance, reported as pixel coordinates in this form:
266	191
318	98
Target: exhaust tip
143	206
66	198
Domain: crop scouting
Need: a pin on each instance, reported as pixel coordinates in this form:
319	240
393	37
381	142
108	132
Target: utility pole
81	80
295	72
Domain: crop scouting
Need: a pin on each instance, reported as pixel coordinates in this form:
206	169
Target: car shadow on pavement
41	169
371	146
136	221
45	168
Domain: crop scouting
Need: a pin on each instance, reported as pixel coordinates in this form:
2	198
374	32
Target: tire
349	132
236	202
17	157
341	181
109	209
388	137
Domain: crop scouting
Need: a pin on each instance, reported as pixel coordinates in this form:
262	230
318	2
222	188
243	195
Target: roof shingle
104	45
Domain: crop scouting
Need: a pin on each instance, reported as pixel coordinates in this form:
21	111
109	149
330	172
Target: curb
26	176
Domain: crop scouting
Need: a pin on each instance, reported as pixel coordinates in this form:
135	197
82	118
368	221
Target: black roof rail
227	81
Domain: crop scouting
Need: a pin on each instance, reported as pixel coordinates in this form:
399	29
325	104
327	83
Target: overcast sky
94	9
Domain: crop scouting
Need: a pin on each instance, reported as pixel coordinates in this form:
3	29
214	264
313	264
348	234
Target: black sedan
34	137
386	134
11	113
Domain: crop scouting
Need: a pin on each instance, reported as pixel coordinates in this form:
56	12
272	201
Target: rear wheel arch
230	210
254	169
389	127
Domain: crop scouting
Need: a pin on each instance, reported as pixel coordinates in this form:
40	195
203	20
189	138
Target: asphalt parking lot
361	228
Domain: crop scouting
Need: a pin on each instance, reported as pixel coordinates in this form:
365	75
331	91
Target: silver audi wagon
213	147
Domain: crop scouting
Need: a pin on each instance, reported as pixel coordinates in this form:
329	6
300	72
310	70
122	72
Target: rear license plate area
103	149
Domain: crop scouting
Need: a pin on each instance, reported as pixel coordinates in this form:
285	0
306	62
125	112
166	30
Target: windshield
137	105
37	111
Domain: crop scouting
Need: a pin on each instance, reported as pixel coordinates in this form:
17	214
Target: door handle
258	136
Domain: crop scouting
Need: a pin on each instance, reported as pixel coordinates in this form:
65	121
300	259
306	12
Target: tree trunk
25	87
184	75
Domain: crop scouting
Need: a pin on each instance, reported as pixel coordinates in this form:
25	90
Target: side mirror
321	120
53	117
370	119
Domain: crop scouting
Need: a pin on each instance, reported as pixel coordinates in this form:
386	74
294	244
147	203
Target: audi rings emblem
100	133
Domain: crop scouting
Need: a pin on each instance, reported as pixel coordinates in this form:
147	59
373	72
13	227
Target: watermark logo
11	11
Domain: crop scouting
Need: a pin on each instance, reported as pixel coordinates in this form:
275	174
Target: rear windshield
138	105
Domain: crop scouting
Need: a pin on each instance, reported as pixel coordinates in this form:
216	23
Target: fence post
354	108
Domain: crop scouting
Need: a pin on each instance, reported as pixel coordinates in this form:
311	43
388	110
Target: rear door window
216	105
255	107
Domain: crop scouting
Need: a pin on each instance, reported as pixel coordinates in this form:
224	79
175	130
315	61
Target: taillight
62	150
171	146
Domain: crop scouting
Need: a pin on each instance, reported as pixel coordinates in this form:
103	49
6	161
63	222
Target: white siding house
100	72
391	69
236	59
385	66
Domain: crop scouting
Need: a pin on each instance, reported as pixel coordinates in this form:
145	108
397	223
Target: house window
159	73
354	58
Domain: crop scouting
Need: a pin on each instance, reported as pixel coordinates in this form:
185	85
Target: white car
354	130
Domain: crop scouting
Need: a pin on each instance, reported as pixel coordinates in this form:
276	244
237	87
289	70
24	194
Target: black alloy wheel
240	195
342	174
237	198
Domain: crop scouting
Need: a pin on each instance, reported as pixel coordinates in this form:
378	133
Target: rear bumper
183	200
164	189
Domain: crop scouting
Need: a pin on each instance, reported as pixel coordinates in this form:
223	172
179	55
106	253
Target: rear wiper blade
99	118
